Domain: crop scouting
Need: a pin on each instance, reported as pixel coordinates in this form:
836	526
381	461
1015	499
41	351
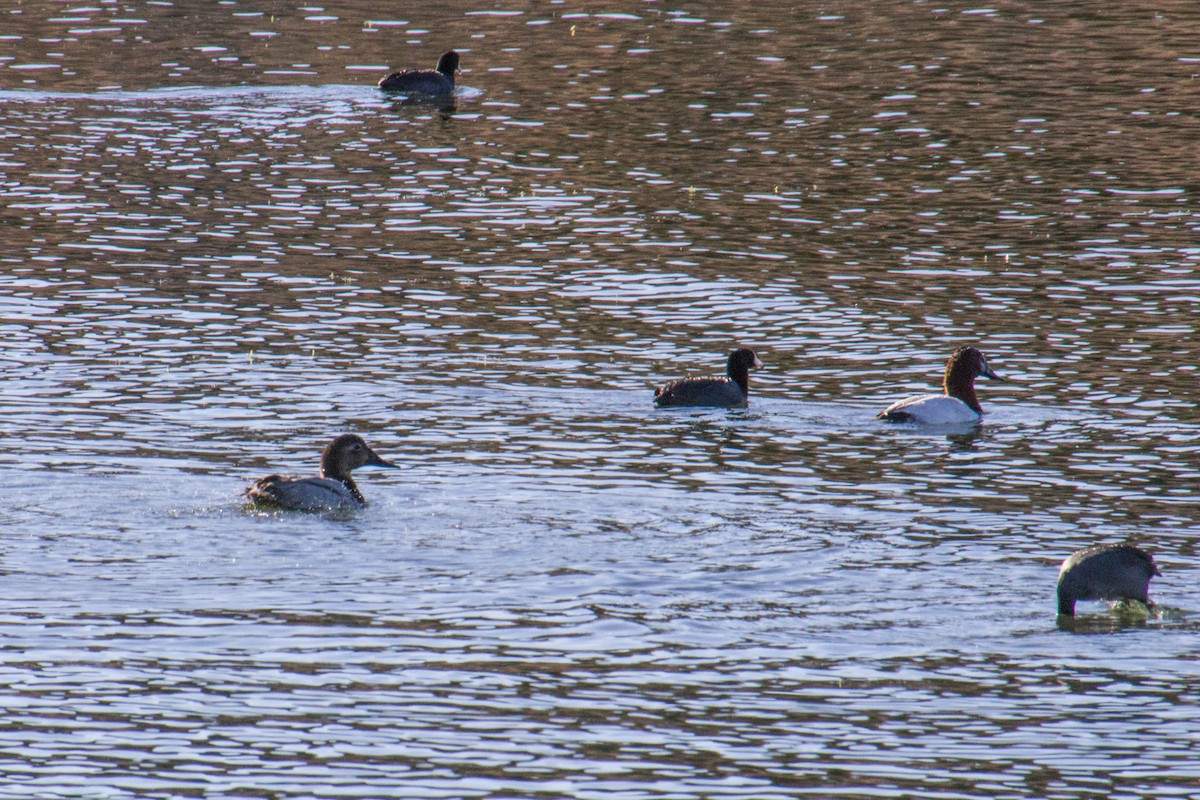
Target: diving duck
333	489
1105	572
958	405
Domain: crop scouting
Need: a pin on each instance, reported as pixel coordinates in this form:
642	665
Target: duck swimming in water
732	390
958	405
1105	572
424	82
333	489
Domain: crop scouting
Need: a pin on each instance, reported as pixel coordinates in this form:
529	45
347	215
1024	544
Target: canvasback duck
333	489
958	405
1105	572
425	82
732	390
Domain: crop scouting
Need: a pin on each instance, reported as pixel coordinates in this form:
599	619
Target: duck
332	490
425	82
732	390
958	405
1105	572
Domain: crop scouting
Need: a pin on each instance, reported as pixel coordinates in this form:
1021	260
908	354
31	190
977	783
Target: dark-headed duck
732	390
333	489
958	405
424	82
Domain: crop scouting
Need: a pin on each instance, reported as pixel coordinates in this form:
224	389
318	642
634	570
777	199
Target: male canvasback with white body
1105	572
424	83
332	490
958	405
732	390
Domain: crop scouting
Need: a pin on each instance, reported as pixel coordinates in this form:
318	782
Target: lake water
222	247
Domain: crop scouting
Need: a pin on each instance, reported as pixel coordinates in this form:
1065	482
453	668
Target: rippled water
222	247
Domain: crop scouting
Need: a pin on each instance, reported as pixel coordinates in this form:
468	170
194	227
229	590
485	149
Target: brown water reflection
222	244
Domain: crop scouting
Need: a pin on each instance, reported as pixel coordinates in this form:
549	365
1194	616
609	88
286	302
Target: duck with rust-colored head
958	405
431	83
732	390
332	490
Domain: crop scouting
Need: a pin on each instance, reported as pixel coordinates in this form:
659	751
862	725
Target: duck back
418	82
303	494
1105	572
930	409
718	392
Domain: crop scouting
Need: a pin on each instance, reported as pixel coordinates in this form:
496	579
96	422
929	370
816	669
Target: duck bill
373	460
987	373
757	363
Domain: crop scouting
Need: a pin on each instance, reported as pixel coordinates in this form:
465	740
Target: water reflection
446	107
1121	616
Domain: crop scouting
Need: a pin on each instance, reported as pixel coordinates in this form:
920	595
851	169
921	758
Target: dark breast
700	392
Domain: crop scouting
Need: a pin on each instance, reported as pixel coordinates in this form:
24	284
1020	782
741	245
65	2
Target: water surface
223	247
